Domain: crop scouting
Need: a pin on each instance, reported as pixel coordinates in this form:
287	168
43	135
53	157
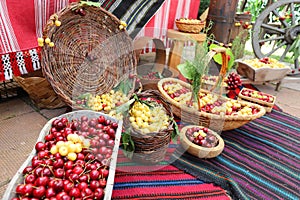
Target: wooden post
221	13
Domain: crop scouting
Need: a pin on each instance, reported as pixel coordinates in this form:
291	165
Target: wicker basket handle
224	66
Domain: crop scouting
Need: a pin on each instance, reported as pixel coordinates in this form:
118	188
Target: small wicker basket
151	148
267	105
194	26
92	54
40	92
199	151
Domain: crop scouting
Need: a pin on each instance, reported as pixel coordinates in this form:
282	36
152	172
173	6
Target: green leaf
124	107
127	144
186	69
175	132
218	57
124	86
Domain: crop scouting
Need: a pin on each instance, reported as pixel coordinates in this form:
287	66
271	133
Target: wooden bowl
199	151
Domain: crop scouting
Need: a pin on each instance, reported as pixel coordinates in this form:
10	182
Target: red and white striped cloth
165	18
22	22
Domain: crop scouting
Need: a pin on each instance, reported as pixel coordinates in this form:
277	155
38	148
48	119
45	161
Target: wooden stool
179	39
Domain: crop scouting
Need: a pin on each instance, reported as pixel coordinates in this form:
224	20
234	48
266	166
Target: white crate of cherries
74	158
201	141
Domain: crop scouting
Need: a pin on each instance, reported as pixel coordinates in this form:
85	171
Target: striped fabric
165	18
22	22
162	181
261	160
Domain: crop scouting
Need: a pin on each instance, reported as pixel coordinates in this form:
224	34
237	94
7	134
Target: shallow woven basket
40	92
151	148
199	151
268	106
91	53
213	121
190	27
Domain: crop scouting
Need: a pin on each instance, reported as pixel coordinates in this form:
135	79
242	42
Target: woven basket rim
190	23
261	102
192	111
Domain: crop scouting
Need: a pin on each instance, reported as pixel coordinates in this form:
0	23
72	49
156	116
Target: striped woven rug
161	181
261	160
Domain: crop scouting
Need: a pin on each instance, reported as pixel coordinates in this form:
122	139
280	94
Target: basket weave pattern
91	54
196	117
151	147
268	106
189	27
40	92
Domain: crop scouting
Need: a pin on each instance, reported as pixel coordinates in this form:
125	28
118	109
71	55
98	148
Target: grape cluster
233	81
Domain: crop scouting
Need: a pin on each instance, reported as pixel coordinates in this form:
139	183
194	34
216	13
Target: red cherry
39	192
40	146
75	192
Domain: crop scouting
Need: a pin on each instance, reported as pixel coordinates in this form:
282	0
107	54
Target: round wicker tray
198	151
213	121
151	148
92	54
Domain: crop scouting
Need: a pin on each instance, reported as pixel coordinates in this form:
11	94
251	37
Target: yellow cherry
47	40
40	40
60	143
54	149
72	156
51	44
57	23
63	151
71	148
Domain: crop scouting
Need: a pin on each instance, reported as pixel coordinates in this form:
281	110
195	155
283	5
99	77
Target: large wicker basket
92	52
213	121
151	148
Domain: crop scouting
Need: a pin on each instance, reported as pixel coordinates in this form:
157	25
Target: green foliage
218	57
238	45
127	144
295	48
195	69
204	4
255	7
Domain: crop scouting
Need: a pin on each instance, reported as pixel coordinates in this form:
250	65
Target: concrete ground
21	122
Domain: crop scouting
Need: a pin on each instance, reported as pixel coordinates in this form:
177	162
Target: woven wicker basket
151	148
40	92
267	105
189	27
92	54
213	121
199	151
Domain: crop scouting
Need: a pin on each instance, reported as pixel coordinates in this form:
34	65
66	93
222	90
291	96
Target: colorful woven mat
261	160
161	181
